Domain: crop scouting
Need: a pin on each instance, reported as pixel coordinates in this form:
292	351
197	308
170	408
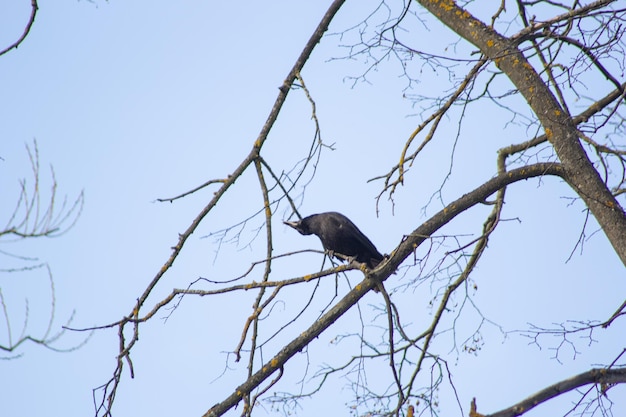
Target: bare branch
29	25
601	376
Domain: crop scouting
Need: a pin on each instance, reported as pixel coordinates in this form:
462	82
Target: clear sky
134	101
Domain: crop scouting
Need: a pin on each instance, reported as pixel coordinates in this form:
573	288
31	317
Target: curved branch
593	376
29	24
588	52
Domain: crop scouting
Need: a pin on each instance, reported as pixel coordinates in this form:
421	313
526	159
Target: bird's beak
293	224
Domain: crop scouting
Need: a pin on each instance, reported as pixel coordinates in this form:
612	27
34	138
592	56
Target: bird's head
301	226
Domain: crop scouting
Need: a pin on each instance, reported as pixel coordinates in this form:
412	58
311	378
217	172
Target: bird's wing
353	231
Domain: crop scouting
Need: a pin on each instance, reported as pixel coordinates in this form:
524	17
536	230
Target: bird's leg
331	255
341	256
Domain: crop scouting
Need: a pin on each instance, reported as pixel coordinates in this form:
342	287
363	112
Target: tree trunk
558	125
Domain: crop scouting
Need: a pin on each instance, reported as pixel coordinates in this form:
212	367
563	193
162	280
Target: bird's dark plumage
339	235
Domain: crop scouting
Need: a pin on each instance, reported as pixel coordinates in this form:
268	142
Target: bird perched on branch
339	236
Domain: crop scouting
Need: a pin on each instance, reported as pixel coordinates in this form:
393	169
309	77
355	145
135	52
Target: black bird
339	235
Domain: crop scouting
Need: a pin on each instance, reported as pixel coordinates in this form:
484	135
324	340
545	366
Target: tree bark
604	377
559	127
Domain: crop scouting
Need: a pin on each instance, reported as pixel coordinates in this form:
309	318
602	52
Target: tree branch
593	376
558	125
29	24
381	273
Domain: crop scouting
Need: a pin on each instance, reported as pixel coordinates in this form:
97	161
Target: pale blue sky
133	101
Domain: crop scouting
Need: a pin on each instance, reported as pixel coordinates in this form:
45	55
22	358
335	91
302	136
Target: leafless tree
532	58
37	214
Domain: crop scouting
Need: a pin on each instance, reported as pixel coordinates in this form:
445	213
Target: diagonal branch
593	376
386	269
558	125
126	346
